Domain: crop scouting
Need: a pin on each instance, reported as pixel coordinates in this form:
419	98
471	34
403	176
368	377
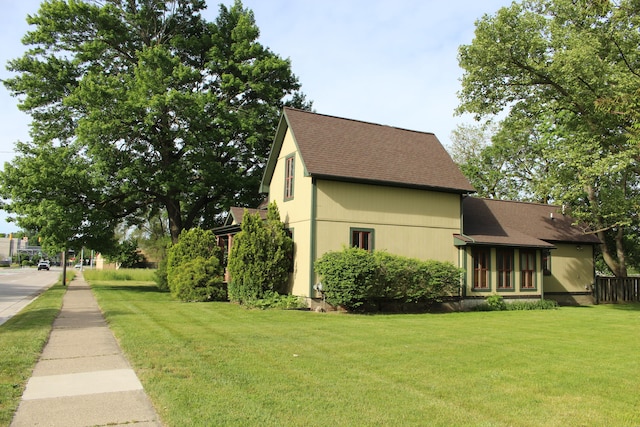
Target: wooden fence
616	289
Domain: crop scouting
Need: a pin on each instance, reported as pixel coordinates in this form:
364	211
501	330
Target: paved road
18	287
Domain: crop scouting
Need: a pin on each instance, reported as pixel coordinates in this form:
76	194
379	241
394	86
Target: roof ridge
358	121
518	201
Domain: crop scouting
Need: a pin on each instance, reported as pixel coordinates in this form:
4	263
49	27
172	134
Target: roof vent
551	215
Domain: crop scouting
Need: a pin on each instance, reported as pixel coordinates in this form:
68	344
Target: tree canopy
565	76
143	106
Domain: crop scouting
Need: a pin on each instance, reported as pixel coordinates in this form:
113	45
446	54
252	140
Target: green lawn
22	339
220	364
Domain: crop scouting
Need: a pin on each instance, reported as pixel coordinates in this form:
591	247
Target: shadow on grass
30	319
625	306
142	288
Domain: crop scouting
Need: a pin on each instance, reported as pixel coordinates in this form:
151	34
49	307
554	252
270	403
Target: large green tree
563	73
167	110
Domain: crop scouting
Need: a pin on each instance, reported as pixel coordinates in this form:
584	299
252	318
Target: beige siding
295	213
408	222
571	269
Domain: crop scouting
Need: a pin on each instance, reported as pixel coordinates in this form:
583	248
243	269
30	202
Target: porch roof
508	223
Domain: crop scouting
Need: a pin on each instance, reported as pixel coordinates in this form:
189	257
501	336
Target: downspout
464	250
313	235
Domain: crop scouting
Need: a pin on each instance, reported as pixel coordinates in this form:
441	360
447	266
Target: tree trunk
175	219
616	263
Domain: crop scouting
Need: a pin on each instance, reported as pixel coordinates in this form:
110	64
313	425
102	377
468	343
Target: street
19	286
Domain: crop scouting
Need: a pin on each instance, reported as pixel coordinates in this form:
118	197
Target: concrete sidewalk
82	377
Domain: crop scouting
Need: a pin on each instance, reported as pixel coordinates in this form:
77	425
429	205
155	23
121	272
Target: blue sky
381	61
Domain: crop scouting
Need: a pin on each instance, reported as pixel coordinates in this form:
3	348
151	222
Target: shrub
198	279
160	276
194	272
274	300
412	280
348	277
260	258
496	303
354	277
542	304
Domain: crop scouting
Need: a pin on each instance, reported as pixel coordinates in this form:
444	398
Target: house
340	182
524	250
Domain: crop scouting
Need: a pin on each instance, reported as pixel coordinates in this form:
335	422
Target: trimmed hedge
354	277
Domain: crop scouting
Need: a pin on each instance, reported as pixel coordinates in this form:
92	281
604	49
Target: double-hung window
480	268
289	171
504	266
527	269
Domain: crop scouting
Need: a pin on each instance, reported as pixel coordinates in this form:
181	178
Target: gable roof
501	222
236	214
351	150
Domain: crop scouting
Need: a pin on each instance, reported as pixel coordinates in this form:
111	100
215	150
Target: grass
22	339
219	364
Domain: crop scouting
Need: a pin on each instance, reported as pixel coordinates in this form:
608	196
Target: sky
381	61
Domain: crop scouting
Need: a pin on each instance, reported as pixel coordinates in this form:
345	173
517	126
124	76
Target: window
546	262
481	268
362	238
289	170
527	269
504	261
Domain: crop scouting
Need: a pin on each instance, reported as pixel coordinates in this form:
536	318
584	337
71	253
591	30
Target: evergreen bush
260	259
194	272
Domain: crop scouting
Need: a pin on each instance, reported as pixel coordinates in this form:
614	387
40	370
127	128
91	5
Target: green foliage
496	302
563	76
353	277
126	254
412	280
194	272
160	276
348	277
142	106
198	279
260	259
274	300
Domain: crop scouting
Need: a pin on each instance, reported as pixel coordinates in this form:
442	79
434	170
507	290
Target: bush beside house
260	259
355	278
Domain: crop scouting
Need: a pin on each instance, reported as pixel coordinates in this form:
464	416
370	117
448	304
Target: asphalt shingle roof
352	150
501	222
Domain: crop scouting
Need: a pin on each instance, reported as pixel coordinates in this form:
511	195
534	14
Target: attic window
289	170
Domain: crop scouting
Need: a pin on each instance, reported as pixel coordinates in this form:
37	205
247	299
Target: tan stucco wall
467	263
572	269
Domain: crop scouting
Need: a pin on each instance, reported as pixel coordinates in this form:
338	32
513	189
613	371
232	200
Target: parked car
43	265
78	266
